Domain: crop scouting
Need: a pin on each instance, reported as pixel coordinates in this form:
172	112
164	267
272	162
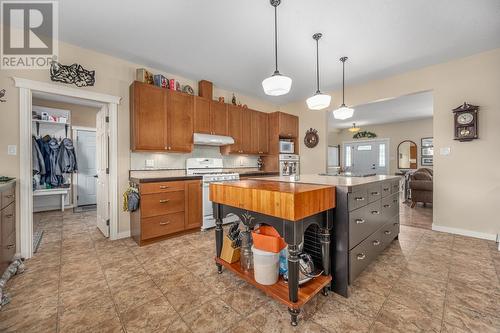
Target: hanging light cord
317	66
276	38
343	59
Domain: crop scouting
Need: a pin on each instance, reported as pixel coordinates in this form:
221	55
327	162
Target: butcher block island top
289	201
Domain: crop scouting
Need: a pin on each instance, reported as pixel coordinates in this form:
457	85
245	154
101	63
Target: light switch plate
445	151
12	150
150	163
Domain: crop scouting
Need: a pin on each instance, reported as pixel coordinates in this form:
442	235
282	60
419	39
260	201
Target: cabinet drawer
390	206
9	248
374	192
8	197
390	230
395	186
162	225
363	222
357	198
162	203
361	255
162	187
8	222
386	188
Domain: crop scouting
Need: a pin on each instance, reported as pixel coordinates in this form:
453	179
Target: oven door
207	204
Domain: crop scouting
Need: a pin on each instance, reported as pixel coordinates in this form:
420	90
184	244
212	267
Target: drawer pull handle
164	201
387	232
395	224
375	212
387	206
359	198
165	223
10	246
361	256
162	187
375	193
9	216
376	243
9	196
360	221
395	200
386	189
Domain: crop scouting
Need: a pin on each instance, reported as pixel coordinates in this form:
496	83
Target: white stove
212	171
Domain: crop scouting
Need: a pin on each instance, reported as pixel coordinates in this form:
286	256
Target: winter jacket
67	157
37	158
55	169
44	148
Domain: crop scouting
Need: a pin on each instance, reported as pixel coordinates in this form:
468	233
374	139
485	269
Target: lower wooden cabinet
166	209
7	224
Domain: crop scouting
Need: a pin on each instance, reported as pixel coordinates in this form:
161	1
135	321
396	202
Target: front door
86	176
102	143
367	157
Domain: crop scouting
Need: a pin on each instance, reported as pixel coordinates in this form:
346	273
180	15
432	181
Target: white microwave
287	147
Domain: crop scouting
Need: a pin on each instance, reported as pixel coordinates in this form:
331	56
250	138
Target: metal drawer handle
386	189
9	216
375	212
359	198
360	221
165	223
162	187
376	243
164	201
361	256
387	206
387	232
9	196
395	224
10	246
375	193
395	200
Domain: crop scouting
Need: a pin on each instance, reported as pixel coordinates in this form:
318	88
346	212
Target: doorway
367	156
86	176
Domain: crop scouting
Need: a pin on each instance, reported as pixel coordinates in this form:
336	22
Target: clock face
465	118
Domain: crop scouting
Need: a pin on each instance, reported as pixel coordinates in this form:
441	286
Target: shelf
279	290
48	122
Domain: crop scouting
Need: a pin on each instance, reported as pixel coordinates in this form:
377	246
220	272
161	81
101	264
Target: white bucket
266	266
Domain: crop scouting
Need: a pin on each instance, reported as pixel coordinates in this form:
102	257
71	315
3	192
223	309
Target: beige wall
80	115
466	182
113	76
413	130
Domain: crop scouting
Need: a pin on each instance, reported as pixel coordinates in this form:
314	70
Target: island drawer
364	253
374	192
363	222
395	185
8	197
162	187
357	198
162	225
390	206
8	222
390	230
162	203
386	188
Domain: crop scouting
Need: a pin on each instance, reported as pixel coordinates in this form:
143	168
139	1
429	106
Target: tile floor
419	216
80	282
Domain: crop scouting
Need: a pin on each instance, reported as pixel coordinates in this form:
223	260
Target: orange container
266	238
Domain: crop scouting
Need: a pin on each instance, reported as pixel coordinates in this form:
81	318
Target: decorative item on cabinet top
465	122
311	138
69	74
143	75
2	94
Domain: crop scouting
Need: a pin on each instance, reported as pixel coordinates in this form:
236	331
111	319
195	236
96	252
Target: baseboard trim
464	232
123	234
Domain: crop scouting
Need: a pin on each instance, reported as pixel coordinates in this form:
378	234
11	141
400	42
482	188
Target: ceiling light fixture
354	129
276	84
343	112
318	101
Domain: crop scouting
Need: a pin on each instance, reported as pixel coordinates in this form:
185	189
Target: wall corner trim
123	234
464	232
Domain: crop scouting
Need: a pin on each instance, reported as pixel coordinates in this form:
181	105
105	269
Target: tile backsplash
178	161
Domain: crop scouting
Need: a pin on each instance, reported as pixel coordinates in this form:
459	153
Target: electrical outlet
150	163
12	150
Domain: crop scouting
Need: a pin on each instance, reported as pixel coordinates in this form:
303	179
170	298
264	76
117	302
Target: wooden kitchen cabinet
262	133
7	224
148	117
218	115
250	131
288	125
247	146
180	112
234	116
210	117
166	209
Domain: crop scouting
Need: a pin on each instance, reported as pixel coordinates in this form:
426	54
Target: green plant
364	134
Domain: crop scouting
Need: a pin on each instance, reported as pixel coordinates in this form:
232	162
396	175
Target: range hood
212	140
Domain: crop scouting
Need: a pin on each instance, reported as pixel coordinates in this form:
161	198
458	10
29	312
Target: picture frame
427	151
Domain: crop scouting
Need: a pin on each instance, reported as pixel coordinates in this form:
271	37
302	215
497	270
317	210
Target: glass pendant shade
354	129
318	101
343	112
277	85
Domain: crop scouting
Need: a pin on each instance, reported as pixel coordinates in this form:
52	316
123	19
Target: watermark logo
29	34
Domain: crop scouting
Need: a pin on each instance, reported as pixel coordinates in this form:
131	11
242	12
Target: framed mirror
407	155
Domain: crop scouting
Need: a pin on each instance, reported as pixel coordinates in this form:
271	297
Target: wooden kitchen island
291	209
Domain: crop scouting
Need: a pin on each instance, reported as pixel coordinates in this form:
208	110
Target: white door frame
387	153
25	175
75	129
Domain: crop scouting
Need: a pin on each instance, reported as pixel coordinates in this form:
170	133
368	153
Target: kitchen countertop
331	180
151	176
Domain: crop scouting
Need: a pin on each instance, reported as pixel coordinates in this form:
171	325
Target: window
367	147
381	155
348	156
333	156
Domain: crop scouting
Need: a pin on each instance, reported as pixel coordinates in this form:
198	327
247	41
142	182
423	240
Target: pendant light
354	129
276	84
343	112
318	101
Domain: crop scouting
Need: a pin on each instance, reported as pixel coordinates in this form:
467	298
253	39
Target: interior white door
364	158
367	157
102	144
87	172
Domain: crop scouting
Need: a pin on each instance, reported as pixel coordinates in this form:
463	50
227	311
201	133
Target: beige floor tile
400	318
340	318
364	301
473	320
135	292
244	299
213	316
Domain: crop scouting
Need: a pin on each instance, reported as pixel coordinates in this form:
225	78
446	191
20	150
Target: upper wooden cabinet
148	117
234	114
288	125
263	133
160	119
210	117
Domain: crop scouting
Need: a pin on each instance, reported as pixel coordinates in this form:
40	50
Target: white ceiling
409	107
230	42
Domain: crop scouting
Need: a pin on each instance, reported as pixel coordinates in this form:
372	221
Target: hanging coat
55	170
37	158
43	143
67	157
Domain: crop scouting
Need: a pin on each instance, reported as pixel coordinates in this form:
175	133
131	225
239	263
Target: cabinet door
263	128
148	118
247	124
218	112
180	112
194	204
202	118
234	128
289	125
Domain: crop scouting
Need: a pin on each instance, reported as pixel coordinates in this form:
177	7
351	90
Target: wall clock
311	139
465	122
